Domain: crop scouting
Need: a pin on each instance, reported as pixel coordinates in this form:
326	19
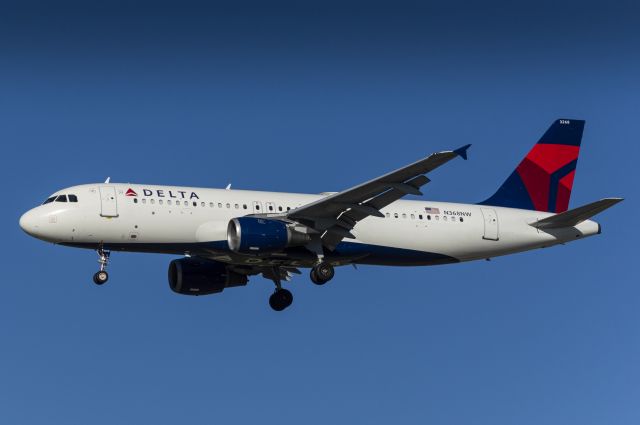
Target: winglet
462	152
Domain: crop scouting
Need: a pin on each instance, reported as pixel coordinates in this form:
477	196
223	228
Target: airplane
226	236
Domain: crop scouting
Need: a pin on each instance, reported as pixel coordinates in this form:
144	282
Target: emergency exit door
490	224
108	201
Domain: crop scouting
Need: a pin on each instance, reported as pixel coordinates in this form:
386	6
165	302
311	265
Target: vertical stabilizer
544	179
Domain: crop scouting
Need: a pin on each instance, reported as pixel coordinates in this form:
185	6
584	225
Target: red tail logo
131	192
544	179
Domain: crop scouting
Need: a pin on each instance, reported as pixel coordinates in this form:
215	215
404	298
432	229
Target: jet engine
194	276
254	235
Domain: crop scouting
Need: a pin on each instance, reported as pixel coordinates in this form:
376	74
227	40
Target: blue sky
311	98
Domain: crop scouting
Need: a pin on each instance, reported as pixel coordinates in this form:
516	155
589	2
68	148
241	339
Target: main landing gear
101	275
322	273
281	298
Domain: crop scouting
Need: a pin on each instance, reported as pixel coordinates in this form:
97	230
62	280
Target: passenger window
228	205
244	206
135	200
219	204
169	202
444	218
257	207
236	206
279	208
420	216
428	217
195	204
437	217
388	215
73	198
288	208
202	204
61	198
152	201
160	201
413	217
270	208
144	201
49	200
395	215
210	204
461	219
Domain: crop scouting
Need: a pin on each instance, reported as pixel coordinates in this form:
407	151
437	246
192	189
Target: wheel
286	296
314	278
322	273
280	299
100	277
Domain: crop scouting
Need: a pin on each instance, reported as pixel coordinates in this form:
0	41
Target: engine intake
194	276
253	235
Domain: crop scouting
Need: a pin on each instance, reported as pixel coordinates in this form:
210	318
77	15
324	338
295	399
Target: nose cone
29	223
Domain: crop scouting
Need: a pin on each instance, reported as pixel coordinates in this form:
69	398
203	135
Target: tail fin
544	179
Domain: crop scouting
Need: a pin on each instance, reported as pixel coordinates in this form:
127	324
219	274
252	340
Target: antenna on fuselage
107	180
228	187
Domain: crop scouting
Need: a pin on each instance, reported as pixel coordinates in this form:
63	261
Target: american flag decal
430	210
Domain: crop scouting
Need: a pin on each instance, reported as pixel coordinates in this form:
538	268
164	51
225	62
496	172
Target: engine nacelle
194	276
254	235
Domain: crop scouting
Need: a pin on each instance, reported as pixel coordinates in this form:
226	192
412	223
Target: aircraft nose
28	223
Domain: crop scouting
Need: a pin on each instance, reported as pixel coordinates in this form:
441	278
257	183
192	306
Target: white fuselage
193	221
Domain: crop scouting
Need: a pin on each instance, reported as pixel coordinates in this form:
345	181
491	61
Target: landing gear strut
281	298
322	273
102	276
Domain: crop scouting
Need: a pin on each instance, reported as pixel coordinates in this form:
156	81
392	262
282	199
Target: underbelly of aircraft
345	253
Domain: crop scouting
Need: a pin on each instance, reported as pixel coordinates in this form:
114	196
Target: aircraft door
490	224
108	201
257	207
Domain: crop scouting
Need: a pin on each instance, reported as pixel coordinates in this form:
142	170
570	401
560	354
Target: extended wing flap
577	215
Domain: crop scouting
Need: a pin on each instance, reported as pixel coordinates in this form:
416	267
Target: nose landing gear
102	276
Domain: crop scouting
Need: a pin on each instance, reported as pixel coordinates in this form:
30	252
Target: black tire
280	299
287	297
324	272
101	277
314	277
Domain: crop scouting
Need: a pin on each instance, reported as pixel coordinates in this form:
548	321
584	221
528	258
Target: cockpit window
61	198
73	198
49	200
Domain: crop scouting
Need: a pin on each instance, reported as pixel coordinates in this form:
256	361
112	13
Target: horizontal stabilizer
577	215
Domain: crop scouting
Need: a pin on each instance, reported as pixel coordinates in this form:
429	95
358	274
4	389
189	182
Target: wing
335	215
